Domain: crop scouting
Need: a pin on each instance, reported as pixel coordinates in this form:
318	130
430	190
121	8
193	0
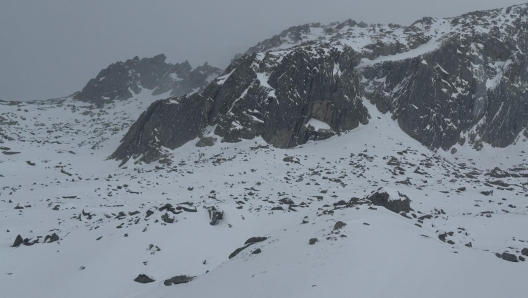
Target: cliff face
260	95
445	81
123	79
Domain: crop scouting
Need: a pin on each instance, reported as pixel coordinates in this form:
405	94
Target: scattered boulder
52	238
167	207
180	279
390	199
10	152
487	192
19	240
509	257
524	252
291	159
215	215
206	142
338	225
255	240
166	218
238	250
143	279
186	209
312	241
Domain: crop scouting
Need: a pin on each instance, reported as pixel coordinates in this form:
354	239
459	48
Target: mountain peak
121	80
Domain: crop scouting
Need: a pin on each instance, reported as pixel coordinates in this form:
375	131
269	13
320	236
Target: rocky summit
121	80
445	81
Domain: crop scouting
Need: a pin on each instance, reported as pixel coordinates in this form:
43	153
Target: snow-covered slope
327	181
110	227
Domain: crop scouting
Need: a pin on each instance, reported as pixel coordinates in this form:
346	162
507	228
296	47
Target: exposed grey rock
255	240
215	215
206	142
52	238
186	209
291	159
241	106
312	241
456	89
180	279
121	80
382	198
509	257
524	252
19	240
10	152
166	218
167	207
338	225
451	91
165	123
143	279
238	250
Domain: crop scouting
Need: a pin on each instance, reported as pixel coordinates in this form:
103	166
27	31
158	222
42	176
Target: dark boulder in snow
524	252
52	238
509	257
255	240
312	241
206	142
180	279
19	240
143	279
238	250
390	199
166	218
215	215
338	225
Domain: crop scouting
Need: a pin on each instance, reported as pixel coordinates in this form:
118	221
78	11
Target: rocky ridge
445	81
121	80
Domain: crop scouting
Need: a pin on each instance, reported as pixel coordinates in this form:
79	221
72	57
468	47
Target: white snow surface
317	124
378	253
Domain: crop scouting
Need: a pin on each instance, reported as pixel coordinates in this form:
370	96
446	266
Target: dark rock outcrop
180	279
255	240
258	95
52	238
166	218
238	250
509	257
121	80
19	240
215	215
398	204
143	279
339	225
444	87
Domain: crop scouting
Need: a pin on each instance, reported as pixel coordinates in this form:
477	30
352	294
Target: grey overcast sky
51	48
